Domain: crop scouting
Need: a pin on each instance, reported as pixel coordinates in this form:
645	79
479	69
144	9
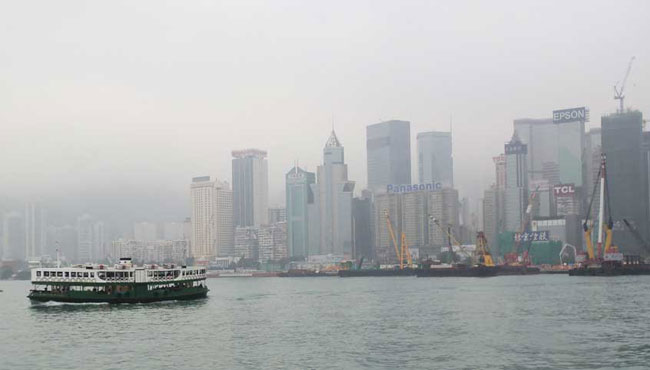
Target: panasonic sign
409	188
571	115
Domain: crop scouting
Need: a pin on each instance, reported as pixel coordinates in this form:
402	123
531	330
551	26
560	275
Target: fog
112	107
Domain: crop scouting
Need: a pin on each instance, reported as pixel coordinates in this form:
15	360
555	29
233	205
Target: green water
509	322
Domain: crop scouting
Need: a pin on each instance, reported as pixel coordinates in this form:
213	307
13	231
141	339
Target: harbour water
507	322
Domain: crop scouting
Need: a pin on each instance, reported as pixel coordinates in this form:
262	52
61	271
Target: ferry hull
128	297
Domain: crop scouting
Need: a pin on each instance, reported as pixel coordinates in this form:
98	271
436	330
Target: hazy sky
120	100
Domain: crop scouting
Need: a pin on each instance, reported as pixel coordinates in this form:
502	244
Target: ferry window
59	274
131	274
85	274
38	273
67	274
73	274
92	274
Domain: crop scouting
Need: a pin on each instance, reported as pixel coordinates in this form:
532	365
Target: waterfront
508	322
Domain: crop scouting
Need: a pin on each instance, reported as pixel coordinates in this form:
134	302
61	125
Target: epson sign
408	188
571	115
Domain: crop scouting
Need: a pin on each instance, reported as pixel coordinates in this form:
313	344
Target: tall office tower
592	166
335	197
145	231
362	215
516	192
212	214
35	231
435	161
100	246
223	216
173	231
627	176
250	184
64	239
299	196
491	218
13	232
277	214
500	167
203	230
388	147
541	139
443	206
85	239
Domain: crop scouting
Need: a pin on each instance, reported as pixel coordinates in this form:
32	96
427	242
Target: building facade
516	191
299	198
335	193
212	218
388	146
35	231
627	177
250	187
435	160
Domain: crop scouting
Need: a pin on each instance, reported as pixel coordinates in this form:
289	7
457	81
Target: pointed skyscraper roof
333	141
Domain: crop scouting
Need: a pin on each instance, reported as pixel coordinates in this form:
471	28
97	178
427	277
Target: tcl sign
564	190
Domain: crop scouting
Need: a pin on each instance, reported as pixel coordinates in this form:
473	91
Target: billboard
516	148
564	190
531	236
571	115
408	188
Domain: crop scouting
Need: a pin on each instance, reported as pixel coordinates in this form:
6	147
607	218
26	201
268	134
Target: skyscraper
250	187
388	147
299	196
335	194
516	192
35	231
627	177
435	161
85	239
13	232
212	229
541	139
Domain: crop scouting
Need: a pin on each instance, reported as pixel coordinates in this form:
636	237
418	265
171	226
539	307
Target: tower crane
619	91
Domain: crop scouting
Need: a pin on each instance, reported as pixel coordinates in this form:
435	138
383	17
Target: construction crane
402	253
609	250
452	240
637	235
484	256
619	91
511	258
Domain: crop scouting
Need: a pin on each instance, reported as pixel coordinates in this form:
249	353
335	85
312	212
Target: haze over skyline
115	106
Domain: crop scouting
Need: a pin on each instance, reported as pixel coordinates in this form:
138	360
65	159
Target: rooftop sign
571	115
409	188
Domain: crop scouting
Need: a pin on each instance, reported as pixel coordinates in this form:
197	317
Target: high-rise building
435	161
63	238
388	147
541	139
627	177
85	245
35	231
491	203
335	193
272	242
362	215
223	216
500	168
443	206
516	191
299	197
145	231
250	187
277	214
212	215
13	232
101	248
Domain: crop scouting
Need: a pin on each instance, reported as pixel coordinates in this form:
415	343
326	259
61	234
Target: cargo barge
122	283
377	272
458	271
517	270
